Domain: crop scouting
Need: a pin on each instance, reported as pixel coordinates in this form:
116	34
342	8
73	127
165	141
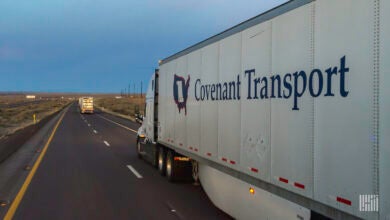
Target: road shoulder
15	169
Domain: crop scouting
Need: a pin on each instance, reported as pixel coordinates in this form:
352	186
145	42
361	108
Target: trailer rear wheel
178	167
161	160
195	172
171	166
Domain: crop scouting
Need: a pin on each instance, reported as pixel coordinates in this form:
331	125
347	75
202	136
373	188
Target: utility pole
134	89
128	91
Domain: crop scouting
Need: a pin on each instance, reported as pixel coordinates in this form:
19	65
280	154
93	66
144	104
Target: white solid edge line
134	171
118	124
106	143
94	131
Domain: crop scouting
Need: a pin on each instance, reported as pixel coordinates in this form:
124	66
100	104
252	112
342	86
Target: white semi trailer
284	116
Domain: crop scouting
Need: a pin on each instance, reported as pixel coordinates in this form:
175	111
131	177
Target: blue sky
102	46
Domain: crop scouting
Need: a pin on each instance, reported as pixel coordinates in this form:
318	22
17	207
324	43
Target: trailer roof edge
274	12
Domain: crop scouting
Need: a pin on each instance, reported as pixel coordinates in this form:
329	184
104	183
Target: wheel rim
160	160
169	165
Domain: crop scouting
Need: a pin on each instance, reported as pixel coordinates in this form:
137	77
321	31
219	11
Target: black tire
155	161
138	149
161	160
171	167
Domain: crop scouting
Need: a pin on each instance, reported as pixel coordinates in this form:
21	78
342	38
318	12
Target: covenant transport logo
329	82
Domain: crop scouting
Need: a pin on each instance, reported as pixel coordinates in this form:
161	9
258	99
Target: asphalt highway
91	171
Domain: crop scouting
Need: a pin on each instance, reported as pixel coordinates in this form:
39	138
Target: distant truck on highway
284	116
86	105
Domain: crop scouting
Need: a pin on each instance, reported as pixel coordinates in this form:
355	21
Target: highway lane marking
134	172
94	131
106	143
173	210
89	125
15	204
120	125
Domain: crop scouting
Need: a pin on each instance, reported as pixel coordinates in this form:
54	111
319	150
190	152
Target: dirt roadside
10	143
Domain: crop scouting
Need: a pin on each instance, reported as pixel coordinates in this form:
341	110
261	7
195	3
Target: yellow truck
86	105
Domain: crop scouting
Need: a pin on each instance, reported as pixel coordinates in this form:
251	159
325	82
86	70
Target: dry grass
14	118
128	106
10	99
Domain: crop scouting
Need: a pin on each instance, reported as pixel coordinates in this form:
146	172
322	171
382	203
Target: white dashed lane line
120	125
94	131
139	176
106	143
